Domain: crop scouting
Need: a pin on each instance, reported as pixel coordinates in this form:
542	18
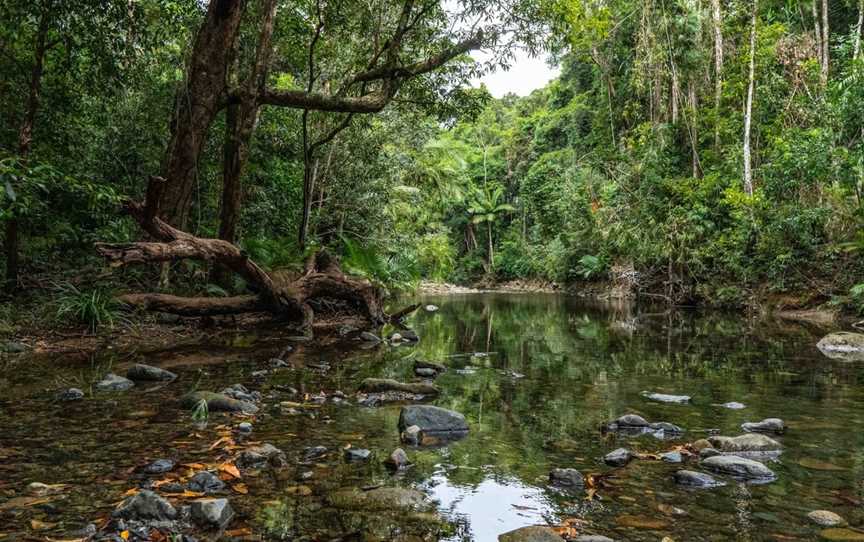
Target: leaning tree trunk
200	99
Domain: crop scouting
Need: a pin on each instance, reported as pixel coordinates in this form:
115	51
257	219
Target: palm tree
485	207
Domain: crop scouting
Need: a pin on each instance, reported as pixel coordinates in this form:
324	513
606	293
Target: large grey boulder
432	420
531	534
146	505
738	467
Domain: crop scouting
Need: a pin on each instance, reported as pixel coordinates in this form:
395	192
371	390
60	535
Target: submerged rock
113	382
370	337
437	367
431	308
672	457
217	402
410	335
244	427
739	467
380	385
618	458
398	459
214	513
411	435
695	479
768	425
141	372
205	482
732	405
533	533
666	427
826	518
146	505
260	456
569	478
379	499
630	420
665	398
843	345
241	393
160	466
353	455
70	394
750	442
432	420
13	347
425	372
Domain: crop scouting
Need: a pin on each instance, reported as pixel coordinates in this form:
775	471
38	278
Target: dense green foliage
623	168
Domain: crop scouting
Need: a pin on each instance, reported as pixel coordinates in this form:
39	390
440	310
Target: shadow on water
551	370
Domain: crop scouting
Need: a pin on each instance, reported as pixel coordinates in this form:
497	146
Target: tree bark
826	46
856	39
240	119
748	108
25	140
197	103
717	18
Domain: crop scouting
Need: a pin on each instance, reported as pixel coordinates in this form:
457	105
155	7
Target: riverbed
535	375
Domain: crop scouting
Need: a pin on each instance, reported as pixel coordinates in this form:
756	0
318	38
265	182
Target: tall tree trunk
748	109
823	74
692	127
25	140
717	19
303	232
240	120
197	103
856	40
817	32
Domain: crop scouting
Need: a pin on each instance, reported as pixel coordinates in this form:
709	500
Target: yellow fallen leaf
240	488
124	535
230	469
38	525
243	531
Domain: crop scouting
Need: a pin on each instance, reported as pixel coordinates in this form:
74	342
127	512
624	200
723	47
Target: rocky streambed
519	417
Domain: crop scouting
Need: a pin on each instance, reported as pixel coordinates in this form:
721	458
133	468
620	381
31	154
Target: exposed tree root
320	285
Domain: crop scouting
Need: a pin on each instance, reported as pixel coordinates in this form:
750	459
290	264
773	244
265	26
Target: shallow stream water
553	370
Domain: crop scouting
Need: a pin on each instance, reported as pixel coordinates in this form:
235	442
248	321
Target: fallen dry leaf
240	488
230	469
